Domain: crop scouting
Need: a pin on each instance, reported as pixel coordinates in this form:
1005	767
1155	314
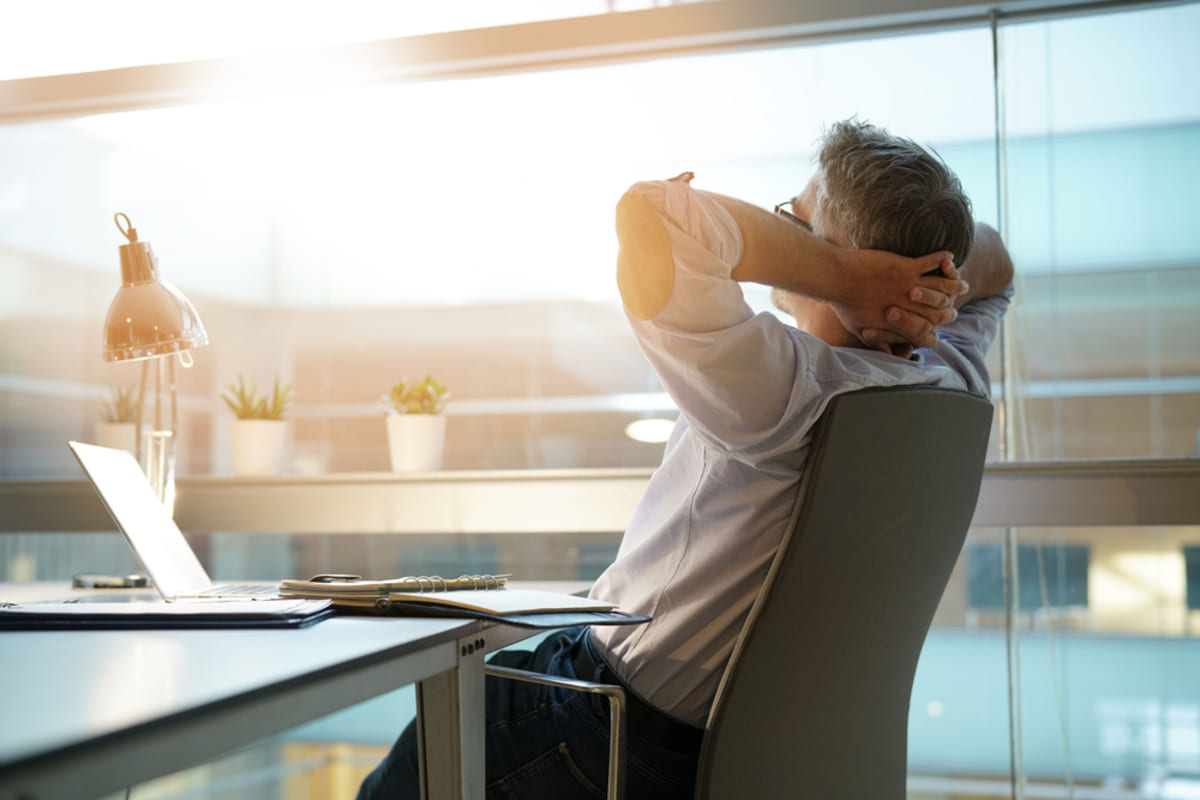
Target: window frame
676	30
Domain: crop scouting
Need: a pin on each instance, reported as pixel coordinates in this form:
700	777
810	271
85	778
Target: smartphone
135	580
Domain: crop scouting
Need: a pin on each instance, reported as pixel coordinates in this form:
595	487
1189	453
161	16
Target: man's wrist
823	271
843	277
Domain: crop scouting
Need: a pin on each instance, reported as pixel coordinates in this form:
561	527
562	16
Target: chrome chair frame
616	715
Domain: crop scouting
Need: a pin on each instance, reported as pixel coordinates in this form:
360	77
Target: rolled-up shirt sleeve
731	372
678	248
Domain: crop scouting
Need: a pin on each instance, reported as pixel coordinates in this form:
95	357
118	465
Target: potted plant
259	432
118	428
415	424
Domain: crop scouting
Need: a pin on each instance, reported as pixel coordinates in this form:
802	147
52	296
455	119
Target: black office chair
814	700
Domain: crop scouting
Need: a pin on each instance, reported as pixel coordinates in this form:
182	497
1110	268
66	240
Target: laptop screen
147	526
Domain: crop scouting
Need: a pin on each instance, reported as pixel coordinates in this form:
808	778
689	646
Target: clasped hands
895	304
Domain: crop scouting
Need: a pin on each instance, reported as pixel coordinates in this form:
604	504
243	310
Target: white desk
93	712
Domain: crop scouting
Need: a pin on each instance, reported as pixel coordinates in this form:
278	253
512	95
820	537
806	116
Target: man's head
876	191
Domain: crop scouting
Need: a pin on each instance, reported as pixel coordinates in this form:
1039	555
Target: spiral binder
334	584
477	595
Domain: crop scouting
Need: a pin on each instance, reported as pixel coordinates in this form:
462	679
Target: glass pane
1108	695
1103	145
958	727
347	240
1105	659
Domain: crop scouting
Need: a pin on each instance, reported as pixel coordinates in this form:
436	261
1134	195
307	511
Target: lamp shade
149	317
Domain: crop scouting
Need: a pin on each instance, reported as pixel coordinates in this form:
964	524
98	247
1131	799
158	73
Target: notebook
486	594
188	614
150	530
481	596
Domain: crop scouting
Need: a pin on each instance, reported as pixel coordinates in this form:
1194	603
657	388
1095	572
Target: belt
642	719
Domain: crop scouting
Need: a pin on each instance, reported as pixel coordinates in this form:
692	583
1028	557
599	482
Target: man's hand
895	303
884	299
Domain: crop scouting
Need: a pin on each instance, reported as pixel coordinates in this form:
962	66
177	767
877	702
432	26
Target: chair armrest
616	715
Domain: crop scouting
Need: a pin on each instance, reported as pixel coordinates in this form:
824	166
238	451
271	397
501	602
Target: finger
915	328
948	268
887	342
933	298
935	262
874	337
948	286
935	317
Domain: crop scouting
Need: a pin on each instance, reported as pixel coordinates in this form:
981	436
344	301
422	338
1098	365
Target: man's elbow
1004	266
989	270
645	267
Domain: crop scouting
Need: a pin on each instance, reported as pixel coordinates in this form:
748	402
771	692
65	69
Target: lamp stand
157	451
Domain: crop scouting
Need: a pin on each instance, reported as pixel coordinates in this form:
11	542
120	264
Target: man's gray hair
882	192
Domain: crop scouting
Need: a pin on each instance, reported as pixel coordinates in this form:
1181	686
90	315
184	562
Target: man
749	389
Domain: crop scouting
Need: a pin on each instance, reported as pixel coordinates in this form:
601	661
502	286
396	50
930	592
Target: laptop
150	530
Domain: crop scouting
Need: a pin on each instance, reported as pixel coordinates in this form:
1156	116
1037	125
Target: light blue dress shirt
749	389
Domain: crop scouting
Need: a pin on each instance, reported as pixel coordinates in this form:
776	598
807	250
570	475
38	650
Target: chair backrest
814	701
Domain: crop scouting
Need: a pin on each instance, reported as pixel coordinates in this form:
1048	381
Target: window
345	238
1103	140
1050	577
349	238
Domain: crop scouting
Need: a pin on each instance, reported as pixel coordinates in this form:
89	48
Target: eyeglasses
789	216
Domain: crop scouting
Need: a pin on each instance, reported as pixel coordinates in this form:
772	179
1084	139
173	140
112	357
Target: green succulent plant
426	396
245	402
123	406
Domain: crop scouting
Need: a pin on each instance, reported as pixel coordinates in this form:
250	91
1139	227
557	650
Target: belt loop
599	705
587	656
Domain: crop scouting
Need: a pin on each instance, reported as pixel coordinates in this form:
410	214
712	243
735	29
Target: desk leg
450	727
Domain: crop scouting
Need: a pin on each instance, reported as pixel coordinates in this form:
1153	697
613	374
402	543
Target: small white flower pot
416	441
258	446
118	435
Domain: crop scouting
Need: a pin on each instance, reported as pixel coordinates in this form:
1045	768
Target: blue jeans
548	743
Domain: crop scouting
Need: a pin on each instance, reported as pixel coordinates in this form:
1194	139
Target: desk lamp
151	321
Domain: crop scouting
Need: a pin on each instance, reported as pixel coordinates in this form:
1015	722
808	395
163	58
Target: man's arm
734	374
860	285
